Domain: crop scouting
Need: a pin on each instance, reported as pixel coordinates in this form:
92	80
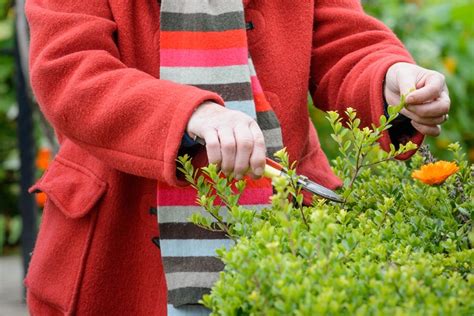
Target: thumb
406	84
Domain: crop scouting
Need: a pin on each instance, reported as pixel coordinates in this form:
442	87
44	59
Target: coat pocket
60	253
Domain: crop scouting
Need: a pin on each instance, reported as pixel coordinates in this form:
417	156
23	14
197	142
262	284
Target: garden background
439	34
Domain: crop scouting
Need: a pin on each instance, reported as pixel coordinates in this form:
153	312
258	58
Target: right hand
234	141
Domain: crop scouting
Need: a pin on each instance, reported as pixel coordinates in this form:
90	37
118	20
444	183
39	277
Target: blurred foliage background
439	34
10	222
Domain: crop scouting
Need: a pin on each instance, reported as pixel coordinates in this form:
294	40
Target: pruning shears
274	169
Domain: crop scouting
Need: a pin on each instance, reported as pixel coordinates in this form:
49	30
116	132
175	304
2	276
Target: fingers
424	120
249	151
427	129
257	159
233	139
213	147
245	143
434	109
406	83
241	149
228	149
428	117
431	88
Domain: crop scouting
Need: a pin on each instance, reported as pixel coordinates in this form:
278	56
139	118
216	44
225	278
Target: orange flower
435	173
43	158
40	199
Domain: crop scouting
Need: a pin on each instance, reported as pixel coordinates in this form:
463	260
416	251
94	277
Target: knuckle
448	103
445	106
240	169
241	117
226	167
260	142
228	146
258	162
442	77
215	160
246	144
421	112
213	144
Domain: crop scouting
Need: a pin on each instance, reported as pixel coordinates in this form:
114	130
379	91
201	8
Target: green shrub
396	246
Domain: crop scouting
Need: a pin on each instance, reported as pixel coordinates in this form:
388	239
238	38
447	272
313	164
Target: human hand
234	141
428	105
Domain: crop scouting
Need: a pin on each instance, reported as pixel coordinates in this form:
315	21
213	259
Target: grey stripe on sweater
189	264
230	92
185	295
206	75
272	137
202	22
191	279
201	6
188	230
267	120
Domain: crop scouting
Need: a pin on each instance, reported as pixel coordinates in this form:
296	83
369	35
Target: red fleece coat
94	70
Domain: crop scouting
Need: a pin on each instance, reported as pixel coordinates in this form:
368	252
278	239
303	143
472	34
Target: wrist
200	114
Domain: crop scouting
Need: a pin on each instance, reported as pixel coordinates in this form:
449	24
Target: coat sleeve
127	118
350	57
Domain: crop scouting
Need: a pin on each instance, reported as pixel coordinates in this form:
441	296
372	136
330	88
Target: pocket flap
72	188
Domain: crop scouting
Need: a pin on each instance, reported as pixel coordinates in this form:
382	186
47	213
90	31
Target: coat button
156	241
153	211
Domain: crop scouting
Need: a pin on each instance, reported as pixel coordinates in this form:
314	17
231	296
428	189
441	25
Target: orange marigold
40	199
435	173
43	158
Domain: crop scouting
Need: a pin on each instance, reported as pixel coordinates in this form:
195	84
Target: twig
377	162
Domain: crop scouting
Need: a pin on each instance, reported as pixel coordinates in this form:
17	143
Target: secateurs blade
274	169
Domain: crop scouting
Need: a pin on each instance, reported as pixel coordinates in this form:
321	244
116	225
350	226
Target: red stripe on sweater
204	40
261	103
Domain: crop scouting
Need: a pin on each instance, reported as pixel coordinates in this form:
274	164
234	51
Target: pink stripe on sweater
187	197
256	87
203	58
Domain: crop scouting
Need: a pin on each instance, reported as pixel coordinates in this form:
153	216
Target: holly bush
396	246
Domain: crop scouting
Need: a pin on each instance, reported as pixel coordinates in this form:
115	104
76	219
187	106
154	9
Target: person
95	71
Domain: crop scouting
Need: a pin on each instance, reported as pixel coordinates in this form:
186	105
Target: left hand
428	105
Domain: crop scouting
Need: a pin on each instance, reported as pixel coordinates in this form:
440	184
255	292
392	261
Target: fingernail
410	99
258	172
